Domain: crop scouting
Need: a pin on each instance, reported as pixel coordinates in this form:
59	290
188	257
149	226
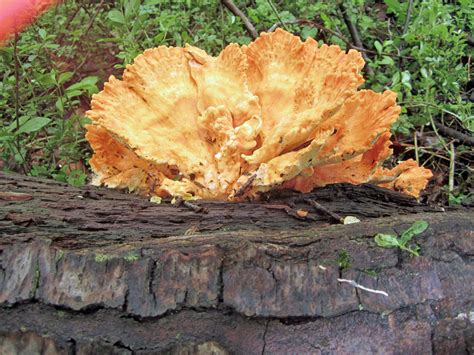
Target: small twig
355	36
321	208
435	130
407	20
221	10
432	153
289	211
451	132
276	207
429	104
236	11
17	87
17	102
452	164
194	207
415	141
356	285
68	23
91	21
275	11
245	186
470	41
190	205
319	27
334	33
405	28
469	69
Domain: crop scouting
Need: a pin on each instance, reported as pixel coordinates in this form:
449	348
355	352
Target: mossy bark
97	271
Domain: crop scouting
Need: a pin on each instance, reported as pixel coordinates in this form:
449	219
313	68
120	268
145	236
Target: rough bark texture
87	271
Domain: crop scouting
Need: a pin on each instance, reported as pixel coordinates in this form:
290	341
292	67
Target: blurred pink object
16	14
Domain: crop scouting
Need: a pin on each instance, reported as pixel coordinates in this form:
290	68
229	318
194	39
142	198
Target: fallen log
89	270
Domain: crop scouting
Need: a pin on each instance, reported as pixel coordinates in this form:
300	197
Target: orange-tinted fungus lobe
276	113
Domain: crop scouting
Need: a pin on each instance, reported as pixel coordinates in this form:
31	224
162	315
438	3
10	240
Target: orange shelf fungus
276	113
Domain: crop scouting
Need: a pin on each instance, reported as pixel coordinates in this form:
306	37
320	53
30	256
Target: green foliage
131	257
135	26
102	258
424	65
391	241
344	260
41	93
70	51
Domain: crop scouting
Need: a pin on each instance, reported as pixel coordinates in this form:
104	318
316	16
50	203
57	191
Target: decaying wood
98	271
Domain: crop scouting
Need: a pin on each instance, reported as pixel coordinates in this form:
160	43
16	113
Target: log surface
98	271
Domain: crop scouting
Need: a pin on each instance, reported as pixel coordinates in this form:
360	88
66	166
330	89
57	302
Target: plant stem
275	11
17	87
236	11
17	101
411	251
407	20
452	161
415	141
355	36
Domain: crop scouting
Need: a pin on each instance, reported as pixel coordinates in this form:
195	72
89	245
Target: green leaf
308	32
116	16
6	54
65	77
73	93
110	39
89	80
378	46
42	33
406	76
48	79
396	78
76	178
406	79
34	124
186	38
87	84
417	228
131	8
386	240
22	120
424	73
59	105
159	37
387	61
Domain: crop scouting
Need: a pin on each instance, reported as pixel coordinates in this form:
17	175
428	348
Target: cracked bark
112	273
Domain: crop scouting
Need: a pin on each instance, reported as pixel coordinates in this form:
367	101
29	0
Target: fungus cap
276	113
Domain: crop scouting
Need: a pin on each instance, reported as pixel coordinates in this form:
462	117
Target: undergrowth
420	49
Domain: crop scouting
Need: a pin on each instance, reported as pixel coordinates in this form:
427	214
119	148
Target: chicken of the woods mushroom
276	113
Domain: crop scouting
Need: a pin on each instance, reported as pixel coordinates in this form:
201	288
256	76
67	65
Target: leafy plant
344	260
41	94
48	73
402	242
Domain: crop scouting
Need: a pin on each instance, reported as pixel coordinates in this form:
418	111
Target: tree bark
89	270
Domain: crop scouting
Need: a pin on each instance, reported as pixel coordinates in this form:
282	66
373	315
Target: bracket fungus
276	113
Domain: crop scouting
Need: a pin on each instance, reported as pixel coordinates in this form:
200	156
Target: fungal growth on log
276	113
